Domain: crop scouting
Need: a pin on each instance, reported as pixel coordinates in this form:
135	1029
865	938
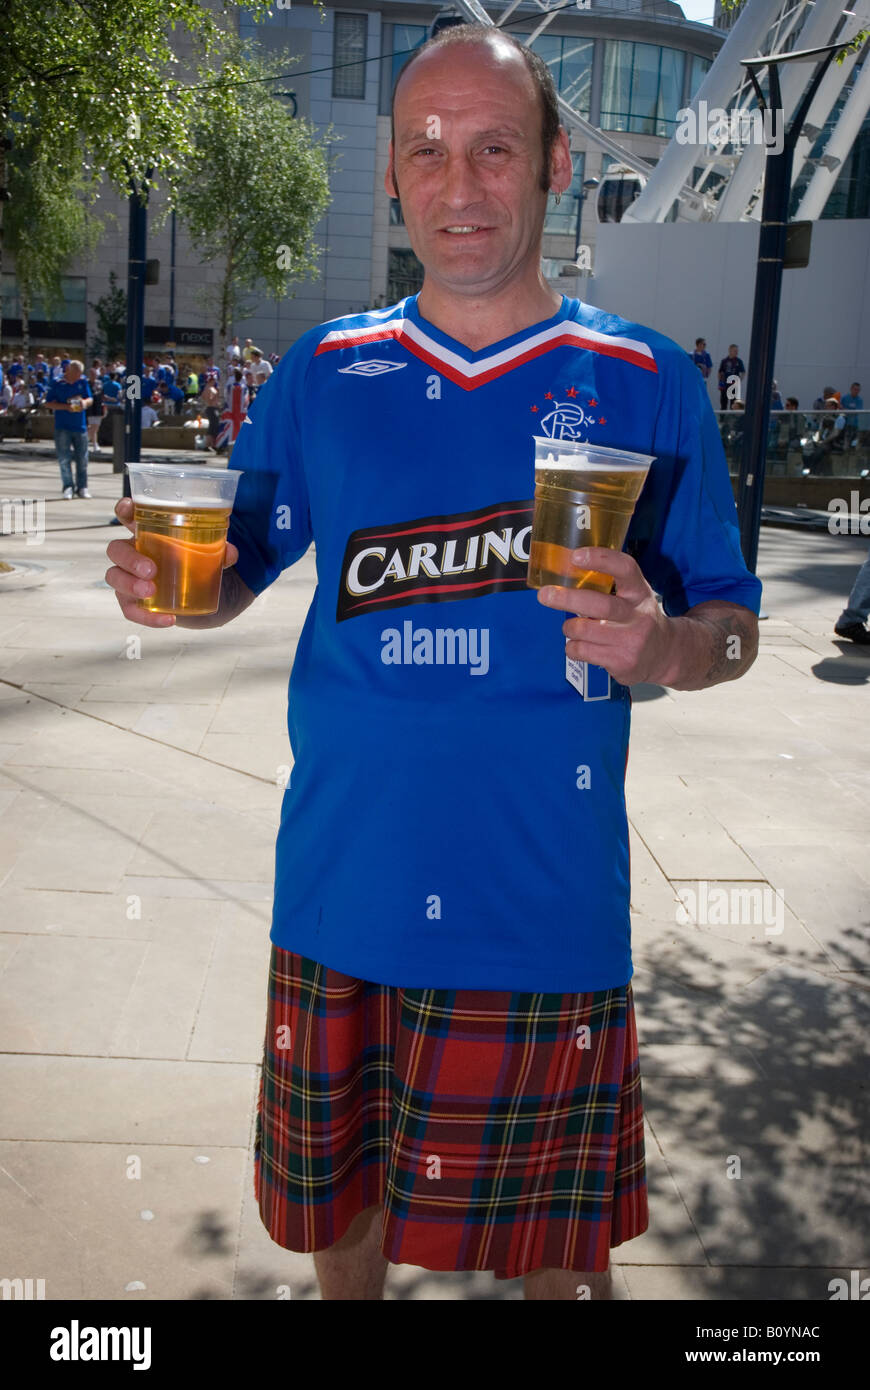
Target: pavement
141	777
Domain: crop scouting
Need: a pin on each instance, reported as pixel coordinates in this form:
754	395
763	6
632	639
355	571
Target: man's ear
561	163
390	177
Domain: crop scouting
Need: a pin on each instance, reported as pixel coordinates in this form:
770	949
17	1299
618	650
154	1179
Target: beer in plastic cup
584	495
181	513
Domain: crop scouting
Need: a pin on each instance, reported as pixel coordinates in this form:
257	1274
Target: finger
124	512
127	585
134	614
127	557
587	603
232	555
630	583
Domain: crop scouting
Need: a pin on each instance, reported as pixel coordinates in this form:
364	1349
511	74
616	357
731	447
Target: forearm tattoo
733	635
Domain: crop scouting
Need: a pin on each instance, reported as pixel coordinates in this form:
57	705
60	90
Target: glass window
570	62
348	52
616	85
70	309
399	40
642	87
697	72
670	89
576	78
404	274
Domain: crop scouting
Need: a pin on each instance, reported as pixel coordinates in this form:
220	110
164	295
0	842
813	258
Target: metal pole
765	313
762	348
135	331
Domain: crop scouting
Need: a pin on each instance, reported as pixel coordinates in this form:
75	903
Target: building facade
627	67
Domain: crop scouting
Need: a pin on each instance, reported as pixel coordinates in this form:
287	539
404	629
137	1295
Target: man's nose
461	182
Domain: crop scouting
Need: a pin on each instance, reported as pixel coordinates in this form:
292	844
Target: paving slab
116	1101
128	1222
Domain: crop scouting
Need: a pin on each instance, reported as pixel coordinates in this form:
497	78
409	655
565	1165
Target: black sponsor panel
436	559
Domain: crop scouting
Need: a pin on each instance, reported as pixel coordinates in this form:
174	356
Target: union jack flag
233	417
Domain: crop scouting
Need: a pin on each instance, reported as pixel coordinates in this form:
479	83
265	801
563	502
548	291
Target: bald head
496	49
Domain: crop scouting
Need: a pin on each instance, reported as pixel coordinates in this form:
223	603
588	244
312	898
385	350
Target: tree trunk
25	329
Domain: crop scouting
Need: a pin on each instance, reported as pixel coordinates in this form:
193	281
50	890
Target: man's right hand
131	574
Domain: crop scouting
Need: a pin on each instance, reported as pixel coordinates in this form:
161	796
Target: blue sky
701	11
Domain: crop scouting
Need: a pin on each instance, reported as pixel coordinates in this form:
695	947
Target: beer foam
573	462
183	503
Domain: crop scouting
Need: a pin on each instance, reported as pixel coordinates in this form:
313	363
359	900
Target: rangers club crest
567	419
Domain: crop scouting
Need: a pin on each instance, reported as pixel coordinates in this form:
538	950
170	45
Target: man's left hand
626	633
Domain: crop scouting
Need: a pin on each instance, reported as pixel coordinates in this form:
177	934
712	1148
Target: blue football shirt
455	817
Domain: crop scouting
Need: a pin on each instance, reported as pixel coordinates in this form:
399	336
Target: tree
852	46
111	313
47	224
99	87
253	191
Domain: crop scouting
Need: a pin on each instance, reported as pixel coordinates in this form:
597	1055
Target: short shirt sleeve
684	533
271	523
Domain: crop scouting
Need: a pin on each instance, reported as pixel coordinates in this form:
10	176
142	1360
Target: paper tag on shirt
593	682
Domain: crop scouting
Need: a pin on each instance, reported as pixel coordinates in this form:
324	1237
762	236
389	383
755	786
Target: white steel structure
717	180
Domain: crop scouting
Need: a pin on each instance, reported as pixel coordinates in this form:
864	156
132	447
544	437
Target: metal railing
804	443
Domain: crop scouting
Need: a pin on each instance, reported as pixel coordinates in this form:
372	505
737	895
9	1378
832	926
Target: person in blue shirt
701	358
452	1077
853	401
111	387
68	399
176	395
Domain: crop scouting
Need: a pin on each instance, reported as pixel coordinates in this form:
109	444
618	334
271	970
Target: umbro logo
374	366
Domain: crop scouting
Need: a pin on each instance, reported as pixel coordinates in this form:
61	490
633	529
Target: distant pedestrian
831	441
852	620
775	398
68	399
261	368
96	409
730	367
701	358
853	401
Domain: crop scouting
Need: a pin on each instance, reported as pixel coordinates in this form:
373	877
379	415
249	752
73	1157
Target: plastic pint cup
181	514
584	495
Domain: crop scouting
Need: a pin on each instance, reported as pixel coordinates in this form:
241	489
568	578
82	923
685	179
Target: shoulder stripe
469	375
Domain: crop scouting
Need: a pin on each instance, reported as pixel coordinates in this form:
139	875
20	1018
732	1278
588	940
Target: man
248	350
731	373
701	358
451	1071
851	623
854	401
261	368
68	399
831	441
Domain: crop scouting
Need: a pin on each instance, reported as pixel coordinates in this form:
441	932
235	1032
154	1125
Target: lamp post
768	285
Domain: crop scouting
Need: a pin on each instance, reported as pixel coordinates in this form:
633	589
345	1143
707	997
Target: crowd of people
219	395
832	427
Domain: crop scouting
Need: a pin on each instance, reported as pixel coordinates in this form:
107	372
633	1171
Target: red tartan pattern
492	1139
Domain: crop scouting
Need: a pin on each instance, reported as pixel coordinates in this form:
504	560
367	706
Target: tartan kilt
499	1130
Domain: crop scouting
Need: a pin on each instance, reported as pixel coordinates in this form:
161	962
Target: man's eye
427	149
494	149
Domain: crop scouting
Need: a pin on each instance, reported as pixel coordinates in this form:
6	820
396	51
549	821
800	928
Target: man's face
855	388
467	166
732	350
71	373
